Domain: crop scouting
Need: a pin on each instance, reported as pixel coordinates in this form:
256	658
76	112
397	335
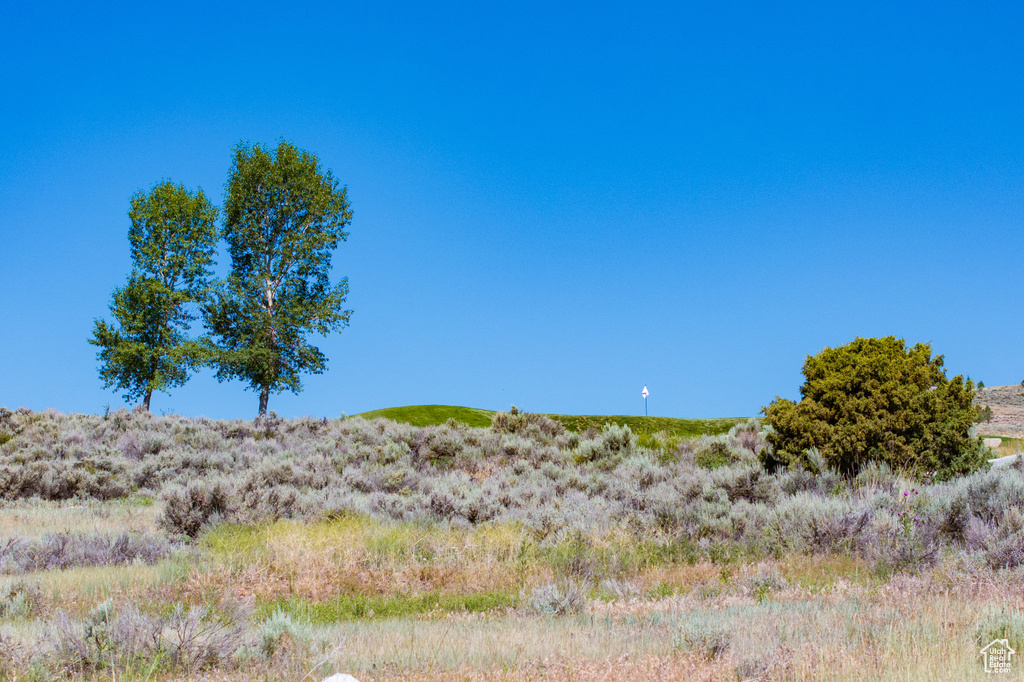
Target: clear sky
555	203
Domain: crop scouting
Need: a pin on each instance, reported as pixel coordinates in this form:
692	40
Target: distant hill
1007	404
429	415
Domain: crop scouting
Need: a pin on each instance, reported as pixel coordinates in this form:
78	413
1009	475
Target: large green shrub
877	400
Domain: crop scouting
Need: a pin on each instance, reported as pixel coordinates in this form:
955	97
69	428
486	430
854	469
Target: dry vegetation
143	547
1007	411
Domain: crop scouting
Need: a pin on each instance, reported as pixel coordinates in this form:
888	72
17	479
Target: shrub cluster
123	641
710	497
874	400
67	550
123	638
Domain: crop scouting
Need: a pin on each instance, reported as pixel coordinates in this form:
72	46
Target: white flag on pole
645	393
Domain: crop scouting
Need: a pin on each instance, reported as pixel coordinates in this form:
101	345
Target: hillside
432	415
1007	403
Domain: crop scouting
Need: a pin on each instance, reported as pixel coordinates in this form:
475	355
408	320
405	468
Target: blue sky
555	203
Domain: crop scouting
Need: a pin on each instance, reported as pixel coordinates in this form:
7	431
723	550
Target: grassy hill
428	415
431	415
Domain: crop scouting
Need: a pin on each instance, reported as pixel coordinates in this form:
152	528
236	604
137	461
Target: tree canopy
875	399
172	236
284	216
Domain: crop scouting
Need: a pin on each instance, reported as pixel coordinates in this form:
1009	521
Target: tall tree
173	236
283	218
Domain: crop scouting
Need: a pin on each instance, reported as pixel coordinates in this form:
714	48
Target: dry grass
826	618
358	556
81	588
860	635
676	667
797	618
35	518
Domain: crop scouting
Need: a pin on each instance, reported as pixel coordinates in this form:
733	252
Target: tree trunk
149	394
264	396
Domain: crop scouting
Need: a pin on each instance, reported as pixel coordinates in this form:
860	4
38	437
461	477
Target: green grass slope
429	415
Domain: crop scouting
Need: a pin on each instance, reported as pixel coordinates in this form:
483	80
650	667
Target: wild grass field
142	547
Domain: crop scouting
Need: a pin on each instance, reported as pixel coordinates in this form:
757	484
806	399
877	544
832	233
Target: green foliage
876	400
284	217
609	448
279	634
173	238
712	453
